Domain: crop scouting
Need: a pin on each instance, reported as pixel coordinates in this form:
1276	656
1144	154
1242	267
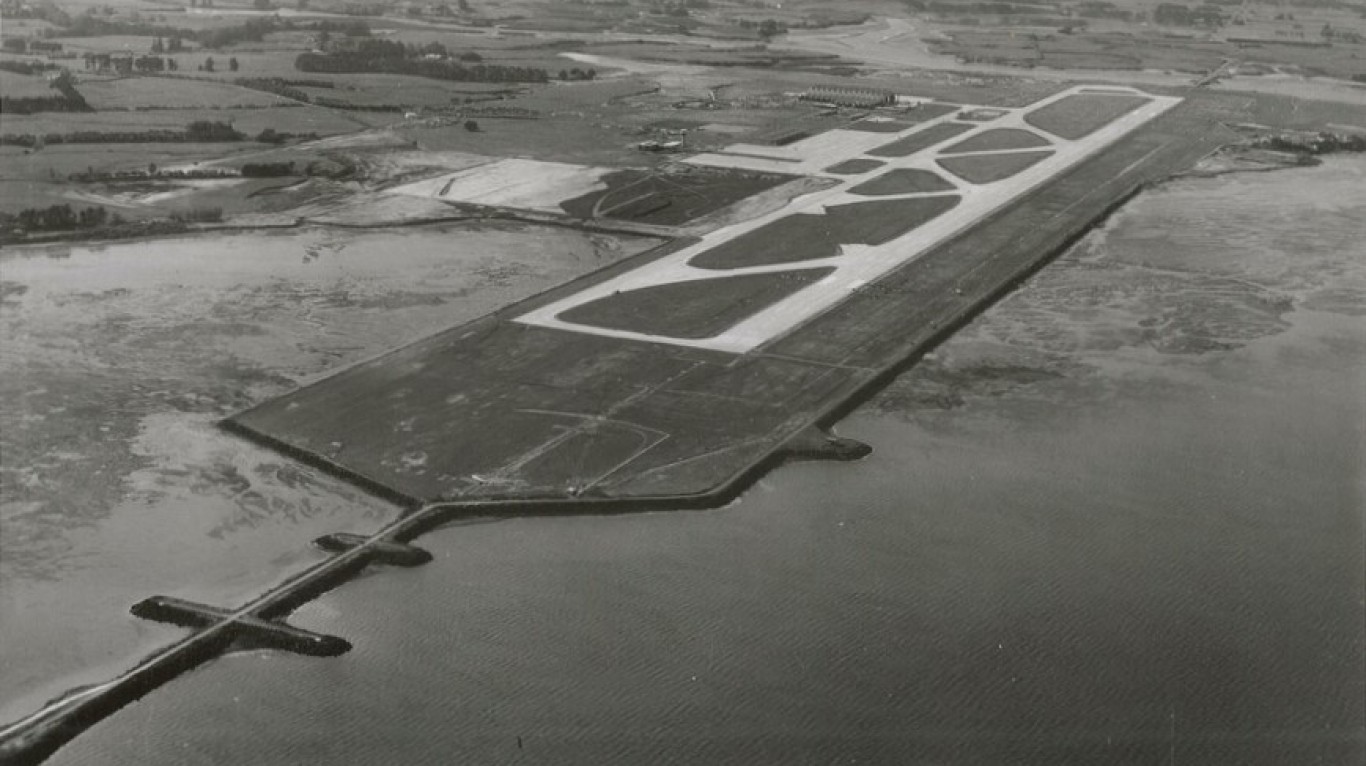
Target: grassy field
1281	34
997	140
902	181
57	161
920	140
804	237
696	309
854	167
172	93
1083	114
670	196
989	168
565	139
14	85
290	119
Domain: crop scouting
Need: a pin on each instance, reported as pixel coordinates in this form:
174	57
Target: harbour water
1118	519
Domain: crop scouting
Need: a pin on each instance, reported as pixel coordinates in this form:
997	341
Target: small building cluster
863	98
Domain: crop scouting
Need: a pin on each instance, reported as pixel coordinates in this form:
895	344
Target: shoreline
802	434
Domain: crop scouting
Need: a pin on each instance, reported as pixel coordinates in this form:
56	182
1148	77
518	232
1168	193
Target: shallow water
117	361
1118	519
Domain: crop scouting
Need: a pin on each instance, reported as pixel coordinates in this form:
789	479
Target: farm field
286	119
14	85
143	93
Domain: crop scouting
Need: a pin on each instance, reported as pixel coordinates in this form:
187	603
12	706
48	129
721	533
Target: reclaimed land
693	428
501	410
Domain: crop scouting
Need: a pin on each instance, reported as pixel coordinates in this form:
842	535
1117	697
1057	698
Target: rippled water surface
1116	520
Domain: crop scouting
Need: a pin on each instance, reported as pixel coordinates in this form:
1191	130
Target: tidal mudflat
118	361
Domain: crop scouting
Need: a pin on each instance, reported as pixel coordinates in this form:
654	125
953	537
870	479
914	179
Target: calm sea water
1119	519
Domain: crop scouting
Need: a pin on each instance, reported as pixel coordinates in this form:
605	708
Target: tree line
68	99
391	57
197	132
63	217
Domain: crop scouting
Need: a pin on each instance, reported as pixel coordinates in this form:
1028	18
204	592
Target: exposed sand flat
530	184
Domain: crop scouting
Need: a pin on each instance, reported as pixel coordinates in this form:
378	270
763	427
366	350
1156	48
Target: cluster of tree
27	67
90	25
171	45
280	86
336	103
1174	15
210	65
198	215
91	174
127	63
267	169
68	99
1341	35
766	29
253	31
433	50
49	12
1318	143
1099	9
394	58
976	9
155	64
64	218
345	28
36	104
197	132
578	74
679	8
